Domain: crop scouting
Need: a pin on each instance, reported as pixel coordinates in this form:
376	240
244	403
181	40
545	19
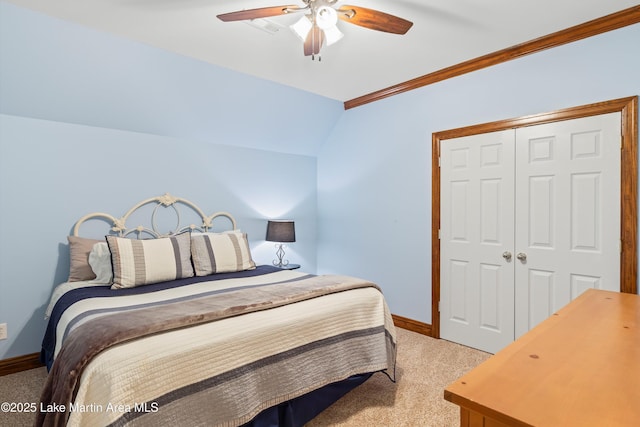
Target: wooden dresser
580	367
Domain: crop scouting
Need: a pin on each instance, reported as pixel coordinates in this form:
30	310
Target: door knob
507	255
522	256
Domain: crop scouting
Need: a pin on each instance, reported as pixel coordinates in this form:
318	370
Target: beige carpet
425	367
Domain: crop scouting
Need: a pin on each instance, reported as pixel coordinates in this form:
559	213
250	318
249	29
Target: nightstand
289	266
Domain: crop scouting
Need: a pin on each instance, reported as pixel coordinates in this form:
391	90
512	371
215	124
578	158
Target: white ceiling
445	33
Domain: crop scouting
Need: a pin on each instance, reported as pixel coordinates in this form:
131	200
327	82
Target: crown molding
597	26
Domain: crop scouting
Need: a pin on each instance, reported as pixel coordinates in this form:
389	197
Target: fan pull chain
313	41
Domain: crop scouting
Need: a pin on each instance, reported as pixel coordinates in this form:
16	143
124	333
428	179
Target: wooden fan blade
374	19
314	40
262	12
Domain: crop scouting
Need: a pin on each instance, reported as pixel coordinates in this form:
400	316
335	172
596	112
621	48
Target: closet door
476	240
530	219
567	214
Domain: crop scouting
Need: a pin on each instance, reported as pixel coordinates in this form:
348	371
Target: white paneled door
477	229
530	218
568	213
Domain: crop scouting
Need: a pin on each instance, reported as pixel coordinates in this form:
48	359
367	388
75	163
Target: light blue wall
52	173
90	122
374	185
56	70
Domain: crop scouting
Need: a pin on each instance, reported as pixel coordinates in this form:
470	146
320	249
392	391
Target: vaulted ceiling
444	33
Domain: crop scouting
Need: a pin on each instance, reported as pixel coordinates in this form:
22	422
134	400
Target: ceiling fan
318	24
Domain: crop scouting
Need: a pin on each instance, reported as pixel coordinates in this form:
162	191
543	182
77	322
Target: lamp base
280	263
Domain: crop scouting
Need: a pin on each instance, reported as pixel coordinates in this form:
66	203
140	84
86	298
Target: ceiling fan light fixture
302	27
318	26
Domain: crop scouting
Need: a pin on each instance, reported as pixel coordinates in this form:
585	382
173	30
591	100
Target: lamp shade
281	231
302	27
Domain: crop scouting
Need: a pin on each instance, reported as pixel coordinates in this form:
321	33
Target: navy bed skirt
299	411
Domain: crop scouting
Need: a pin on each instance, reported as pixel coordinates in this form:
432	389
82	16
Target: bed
182	327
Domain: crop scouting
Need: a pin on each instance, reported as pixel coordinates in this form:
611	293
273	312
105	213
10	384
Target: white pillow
100	262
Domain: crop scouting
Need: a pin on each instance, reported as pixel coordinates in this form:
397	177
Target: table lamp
281	231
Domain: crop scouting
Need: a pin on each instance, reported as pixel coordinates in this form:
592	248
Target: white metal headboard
119	226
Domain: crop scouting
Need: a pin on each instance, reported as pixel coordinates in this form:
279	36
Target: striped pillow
220	253
142	262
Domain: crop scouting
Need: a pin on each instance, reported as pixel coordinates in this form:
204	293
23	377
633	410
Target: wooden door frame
628	107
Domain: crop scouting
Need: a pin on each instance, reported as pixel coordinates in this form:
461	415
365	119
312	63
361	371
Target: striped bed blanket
213	353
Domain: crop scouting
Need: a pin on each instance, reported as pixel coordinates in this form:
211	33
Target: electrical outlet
3	331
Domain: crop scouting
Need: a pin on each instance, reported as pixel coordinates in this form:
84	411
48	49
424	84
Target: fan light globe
332	35
326	17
